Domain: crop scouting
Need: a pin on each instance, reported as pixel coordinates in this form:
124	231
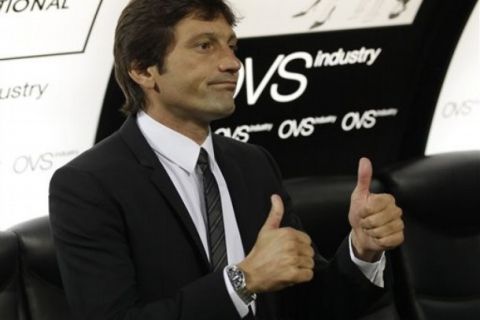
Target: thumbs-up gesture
280	257
375	219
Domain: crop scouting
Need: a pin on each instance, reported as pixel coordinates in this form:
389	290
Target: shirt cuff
372	270
241	307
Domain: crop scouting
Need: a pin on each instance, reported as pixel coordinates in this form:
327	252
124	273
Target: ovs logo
357	120
279	66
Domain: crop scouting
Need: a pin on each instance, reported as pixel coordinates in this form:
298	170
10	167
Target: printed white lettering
252	94
242	133
325	120
340	57
458	109
19	6
40	163
291	127
302	80
35	91
374	55
28	163
355	120
261	127
280	66
386	112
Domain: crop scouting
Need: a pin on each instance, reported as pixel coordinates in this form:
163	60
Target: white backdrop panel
49	104
456	122
282	17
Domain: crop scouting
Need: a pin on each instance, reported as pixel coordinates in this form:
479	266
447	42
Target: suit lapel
234	177
146	157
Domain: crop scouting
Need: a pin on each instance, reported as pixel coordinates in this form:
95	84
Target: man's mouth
227	84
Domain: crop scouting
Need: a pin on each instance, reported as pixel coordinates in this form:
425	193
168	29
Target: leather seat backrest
440	196
45	298
11	298
322	203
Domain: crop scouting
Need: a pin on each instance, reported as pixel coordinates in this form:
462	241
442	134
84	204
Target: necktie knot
202	161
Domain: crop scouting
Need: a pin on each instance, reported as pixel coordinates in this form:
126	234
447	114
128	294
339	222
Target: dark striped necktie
213	204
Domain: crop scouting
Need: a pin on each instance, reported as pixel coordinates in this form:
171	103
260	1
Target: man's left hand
376	220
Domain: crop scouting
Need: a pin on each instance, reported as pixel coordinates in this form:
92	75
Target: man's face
200	72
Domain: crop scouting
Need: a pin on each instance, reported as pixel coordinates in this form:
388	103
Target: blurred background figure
323	12
399	8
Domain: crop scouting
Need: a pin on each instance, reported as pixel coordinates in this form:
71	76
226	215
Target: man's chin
224	111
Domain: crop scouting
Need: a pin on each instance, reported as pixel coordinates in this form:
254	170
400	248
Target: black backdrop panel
345	110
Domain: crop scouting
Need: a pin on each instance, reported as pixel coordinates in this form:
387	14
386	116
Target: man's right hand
281	257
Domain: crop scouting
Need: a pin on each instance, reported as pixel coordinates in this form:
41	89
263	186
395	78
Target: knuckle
311	263
288	232
308	275
289	247
398	228
400	237
367	211
389	198
369	222
308	239
369	208
399	212
306	263
371	233
288	261
381	201
302	249
311	252
282	263
292	272
365	223
391	227
382	242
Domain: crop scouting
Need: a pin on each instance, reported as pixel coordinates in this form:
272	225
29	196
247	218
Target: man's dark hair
144	33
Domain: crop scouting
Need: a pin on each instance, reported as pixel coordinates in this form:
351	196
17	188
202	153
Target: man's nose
229	61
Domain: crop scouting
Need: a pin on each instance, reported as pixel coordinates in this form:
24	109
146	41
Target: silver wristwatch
237	279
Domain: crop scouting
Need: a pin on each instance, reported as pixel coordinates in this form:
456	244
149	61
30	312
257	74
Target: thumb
275	215
364	178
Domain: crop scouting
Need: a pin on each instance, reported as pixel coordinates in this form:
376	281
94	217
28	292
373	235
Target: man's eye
205	45
234	47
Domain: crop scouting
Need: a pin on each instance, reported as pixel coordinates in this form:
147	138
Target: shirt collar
172	145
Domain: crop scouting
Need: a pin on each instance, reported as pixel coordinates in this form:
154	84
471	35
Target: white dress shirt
179	154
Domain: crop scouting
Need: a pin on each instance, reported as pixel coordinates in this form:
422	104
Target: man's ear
145	78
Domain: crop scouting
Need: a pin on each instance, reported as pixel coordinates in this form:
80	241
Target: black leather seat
45	298
437	267
322	203
440	196
11	299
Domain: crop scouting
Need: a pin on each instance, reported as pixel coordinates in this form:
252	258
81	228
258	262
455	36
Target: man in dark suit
163	220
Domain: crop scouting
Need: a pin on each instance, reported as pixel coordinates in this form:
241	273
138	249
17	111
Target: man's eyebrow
211	35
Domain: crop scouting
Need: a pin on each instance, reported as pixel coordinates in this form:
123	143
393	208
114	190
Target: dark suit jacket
127	248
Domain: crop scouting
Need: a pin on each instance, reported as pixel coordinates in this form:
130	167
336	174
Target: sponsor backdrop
55	62
326	82
323	82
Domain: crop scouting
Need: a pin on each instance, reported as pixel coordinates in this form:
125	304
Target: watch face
237	282
236	278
